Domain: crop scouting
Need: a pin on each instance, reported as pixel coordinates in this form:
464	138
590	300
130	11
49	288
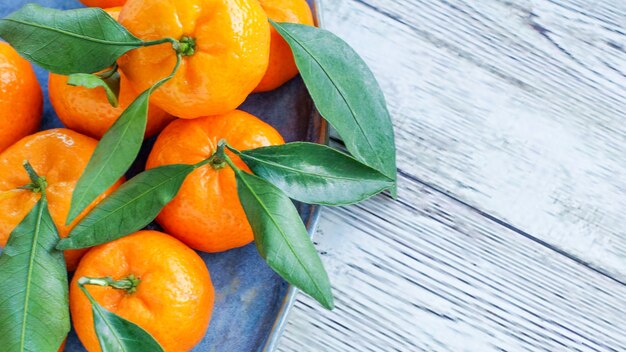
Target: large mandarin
206	214
173	300
21	100
282	66
60	155
89	112
228	45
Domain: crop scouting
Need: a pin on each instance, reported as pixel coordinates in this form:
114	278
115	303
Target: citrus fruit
89	112
103	3
227	52
206	213
282	66
21	100
60	155
172	300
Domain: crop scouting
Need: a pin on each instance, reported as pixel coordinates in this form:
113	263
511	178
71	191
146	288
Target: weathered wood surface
427	273
515	111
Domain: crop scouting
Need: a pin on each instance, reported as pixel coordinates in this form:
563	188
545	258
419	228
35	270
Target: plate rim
289	299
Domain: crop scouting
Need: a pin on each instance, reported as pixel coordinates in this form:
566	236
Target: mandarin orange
60	155
227	52
282	66
21	100
206	213
172	300
89	112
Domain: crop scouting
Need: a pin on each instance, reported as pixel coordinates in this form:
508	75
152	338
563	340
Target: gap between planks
428	273
496	104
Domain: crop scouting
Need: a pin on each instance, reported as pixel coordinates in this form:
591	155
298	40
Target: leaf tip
394	191
328	302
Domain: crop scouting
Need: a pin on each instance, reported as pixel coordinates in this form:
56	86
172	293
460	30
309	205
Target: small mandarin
21	100
89	112
60	155
206	213
282	66
173	300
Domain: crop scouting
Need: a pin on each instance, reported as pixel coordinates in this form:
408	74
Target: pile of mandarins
233	52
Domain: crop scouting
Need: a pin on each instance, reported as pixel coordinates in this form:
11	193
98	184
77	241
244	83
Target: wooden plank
427	273
515	107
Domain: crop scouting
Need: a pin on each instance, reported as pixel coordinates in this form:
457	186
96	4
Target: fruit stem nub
186	46
218	159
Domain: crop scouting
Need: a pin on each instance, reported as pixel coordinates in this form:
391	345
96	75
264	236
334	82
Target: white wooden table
510	230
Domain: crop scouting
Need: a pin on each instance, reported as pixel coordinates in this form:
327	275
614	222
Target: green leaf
117	334
130	208
281	238
66	42
34	313
115	152
316	174
111	85
345	92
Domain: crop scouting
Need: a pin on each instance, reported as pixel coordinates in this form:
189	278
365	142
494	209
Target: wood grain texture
516	108
510	231
427	273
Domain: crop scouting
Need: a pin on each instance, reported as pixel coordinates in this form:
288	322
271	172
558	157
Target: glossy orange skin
88	111
206	214
103	3
282	66
21	100
173	300
60	155
231	56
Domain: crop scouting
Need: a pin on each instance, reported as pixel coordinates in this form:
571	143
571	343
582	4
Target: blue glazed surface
249	295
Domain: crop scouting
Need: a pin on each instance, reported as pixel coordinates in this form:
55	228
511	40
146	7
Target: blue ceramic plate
251	301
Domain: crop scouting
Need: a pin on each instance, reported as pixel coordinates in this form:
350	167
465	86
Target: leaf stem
31	171
173	41
86	292
231	164
179	59
186	46
128	284
109	73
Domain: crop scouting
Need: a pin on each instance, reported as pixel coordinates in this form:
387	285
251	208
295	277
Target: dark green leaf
117	334
345	92
34	313
281	238
133	206
115	152
65	42
316	174
111	85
